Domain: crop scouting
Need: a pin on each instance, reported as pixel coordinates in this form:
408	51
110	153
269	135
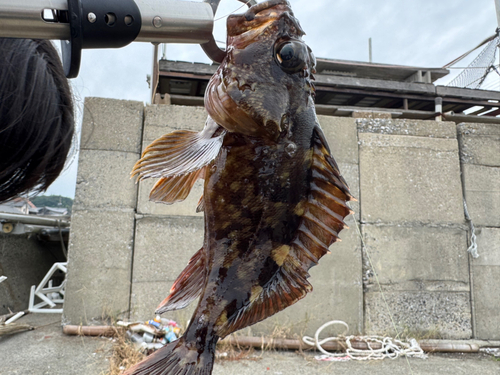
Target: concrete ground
46	350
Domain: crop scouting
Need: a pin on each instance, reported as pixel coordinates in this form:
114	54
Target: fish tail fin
177	358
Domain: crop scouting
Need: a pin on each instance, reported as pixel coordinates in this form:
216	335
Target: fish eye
291	56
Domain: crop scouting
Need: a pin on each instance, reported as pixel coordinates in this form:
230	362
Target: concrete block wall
480	157
337	279
126	252
413	228
103	220
166	235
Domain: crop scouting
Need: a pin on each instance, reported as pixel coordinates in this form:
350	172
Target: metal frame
111	24
46	293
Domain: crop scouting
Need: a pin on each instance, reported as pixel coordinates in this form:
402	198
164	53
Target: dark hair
36	116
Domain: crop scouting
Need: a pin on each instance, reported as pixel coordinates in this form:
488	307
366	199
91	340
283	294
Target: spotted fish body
274	199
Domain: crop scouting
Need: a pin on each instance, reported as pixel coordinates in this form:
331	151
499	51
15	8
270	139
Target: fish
274	199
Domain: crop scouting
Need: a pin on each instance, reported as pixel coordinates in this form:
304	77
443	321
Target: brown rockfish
274	199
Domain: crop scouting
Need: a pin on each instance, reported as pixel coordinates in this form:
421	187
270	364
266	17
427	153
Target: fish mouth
258	17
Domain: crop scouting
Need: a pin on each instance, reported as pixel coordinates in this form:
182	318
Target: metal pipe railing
62	221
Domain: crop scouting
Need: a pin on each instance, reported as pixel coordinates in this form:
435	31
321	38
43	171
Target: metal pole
370	49
23	19
497	6
156	70
174	21
439	108
163	21
62	221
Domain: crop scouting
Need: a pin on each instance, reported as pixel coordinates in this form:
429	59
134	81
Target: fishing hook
211	48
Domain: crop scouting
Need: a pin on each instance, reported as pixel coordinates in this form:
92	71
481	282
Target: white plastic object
48	293
15	317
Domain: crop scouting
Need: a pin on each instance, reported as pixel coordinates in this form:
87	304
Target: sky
422	33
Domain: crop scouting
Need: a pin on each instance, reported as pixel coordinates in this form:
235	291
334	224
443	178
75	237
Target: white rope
378	347
473	244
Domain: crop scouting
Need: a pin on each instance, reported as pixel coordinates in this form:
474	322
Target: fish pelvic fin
322	218
179	160
188	286
177	358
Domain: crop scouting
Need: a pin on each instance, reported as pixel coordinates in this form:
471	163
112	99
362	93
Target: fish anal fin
173	189
288	285
188	286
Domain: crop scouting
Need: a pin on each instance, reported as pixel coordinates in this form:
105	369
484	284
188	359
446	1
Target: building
346	86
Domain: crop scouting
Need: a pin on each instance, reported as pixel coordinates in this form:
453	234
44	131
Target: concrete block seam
82	209
143	119
359	229
416	224
168	217
111	150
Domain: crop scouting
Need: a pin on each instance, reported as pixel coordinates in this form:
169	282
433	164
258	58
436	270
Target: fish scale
274	199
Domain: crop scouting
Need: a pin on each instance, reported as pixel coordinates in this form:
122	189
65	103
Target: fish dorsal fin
322	215
179	159
188	285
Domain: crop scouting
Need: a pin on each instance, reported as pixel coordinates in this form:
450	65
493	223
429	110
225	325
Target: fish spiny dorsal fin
188	286
322	215
179	159
325	209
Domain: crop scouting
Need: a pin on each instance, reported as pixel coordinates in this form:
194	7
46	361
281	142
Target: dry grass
228	352
124	354
233	352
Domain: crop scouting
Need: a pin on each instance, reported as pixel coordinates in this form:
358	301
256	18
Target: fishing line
380	287
218	19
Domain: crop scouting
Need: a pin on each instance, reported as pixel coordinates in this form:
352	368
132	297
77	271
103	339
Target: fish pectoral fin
180	152
173	189
188	286
288	285
179	159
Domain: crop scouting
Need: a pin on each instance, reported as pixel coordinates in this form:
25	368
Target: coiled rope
378	347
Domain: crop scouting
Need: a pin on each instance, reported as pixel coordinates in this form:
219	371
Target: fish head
266	75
